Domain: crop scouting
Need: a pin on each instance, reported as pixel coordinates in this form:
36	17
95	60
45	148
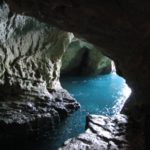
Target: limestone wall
31	96
30	53
82	58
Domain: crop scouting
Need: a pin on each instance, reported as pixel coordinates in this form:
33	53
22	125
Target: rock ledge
102	133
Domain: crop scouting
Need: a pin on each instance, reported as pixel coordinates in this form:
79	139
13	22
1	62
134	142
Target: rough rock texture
121	27
82	58
102	133
30	60
107	133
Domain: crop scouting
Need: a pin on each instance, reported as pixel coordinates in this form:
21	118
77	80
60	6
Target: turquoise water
97	95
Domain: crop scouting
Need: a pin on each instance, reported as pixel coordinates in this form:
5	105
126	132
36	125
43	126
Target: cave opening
99	95
35	69
101	92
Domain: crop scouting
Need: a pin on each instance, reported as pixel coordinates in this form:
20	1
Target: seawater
102	95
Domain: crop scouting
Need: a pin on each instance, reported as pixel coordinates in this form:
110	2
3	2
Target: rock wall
30	51
82	58
121	27
30	61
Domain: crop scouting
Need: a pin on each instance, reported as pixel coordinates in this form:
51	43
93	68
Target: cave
32	98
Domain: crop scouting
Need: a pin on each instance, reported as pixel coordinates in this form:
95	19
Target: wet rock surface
102	133
22	116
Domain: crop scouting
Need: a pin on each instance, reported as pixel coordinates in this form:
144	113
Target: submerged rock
31	96
102	133
82	58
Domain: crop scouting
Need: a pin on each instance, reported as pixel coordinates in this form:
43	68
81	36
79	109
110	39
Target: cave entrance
101	95
99	91
88	74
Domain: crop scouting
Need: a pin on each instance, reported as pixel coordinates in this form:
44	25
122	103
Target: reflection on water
100	95
103	95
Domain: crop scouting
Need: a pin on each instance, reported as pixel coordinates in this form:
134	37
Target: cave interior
33	37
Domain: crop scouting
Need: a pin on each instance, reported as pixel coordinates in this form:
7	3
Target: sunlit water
103	95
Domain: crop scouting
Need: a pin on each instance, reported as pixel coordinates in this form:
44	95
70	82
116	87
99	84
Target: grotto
34	35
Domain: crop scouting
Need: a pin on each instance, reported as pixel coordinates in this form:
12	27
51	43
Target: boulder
102	133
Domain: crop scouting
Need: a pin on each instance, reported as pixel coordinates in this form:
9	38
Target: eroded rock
102	133
82	58
31	96
120	27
